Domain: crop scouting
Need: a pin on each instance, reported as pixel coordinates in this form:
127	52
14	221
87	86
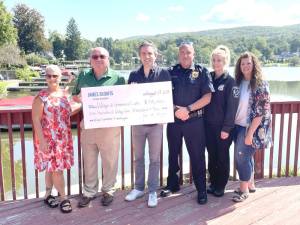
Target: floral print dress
56	127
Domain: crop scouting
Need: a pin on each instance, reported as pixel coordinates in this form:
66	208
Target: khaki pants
107	142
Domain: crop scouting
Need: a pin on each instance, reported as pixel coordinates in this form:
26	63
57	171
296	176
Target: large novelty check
122	105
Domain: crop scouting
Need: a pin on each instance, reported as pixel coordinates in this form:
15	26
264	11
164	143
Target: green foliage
33	59
8	33
73	41
6	166
294	61
26	74
58	44
10	54
30	26
3	86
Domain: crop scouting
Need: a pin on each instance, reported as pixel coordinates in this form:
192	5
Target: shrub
26	74
3	86
33	59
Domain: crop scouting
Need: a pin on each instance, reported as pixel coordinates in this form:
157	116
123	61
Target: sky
127	18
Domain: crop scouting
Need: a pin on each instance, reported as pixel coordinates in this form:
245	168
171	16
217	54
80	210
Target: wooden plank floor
277	201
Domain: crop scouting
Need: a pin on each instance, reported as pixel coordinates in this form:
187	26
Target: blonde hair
223	51
53	70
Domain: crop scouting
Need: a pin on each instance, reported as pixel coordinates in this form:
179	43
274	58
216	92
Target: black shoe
84	201
106	199
168	191
202	198
219	192
211	189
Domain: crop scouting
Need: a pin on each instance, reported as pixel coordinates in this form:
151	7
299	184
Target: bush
3	86
26	74
33	59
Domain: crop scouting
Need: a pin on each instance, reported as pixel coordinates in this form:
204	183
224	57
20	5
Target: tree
73	41
294	61
30	26
86	46
10	55
8	33
58	44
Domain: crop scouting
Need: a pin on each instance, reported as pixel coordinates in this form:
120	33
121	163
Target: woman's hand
43	145
224	135
248	139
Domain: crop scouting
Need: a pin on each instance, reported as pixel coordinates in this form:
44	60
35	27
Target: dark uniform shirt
224	102
189	85
156	74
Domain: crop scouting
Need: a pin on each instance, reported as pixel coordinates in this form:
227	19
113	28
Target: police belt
197	113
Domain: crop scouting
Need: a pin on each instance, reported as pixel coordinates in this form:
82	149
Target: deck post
259	164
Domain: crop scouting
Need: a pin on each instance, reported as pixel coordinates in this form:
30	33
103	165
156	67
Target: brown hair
256	78
148	44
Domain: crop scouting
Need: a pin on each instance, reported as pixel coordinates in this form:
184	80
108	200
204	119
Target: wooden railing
22	117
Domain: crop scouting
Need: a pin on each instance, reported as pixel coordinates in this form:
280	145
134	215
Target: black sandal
65	206
240	197
51	201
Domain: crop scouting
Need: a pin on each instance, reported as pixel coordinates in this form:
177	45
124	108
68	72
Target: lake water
284	86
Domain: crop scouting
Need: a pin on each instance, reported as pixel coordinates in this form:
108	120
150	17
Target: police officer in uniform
192	89
219	121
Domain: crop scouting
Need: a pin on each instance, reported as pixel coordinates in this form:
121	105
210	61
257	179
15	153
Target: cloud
235	13
142	17
176	8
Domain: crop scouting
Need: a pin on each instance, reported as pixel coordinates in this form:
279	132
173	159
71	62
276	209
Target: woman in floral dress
53	153
252	121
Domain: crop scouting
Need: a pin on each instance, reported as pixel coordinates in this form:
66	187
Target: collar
192	67
223	76
106	74
141	69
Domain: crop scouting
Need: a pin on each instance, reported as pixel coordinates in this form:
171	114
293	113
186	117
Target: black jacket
224	102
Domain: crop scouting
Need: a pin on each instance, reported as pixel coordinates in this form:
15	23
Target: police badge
194	75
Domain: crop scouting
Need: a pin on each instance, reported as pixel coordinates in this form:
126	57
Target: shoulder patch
235	92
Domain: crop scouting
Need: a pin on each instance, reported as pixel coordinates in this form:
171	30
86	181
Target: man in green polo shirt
103	140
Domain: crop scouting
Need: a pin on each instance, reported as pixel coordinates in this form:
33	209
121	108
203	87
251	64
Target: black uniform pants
218	156
194	136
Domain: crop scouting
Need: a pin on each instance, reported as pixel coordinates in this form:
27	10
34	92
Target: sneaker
211	189
84	201
133	195
106	199
168	191
218	192
152	200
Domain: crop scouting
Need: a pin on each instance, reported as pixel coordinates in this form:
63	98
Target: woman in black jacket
219	121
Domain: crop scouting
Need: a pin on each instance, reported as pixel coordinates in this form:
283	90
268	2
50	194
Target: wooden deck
277	201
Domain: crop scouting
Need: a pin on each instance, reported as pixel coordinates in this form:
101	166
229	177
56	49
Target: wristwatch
189	108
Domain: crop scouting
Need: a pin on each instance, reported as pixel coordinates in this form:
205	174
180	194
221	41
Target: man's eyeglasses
49	76
95	57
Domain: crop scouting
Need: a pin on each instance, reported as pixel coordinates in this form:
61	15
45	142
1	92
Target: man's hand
224	135
182	113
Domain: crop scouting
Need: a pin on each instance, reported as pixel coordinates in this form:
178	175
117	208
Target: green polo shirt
87	79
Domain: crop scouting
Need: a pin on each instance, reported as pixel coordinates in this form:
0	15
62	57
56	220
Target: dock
276	202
